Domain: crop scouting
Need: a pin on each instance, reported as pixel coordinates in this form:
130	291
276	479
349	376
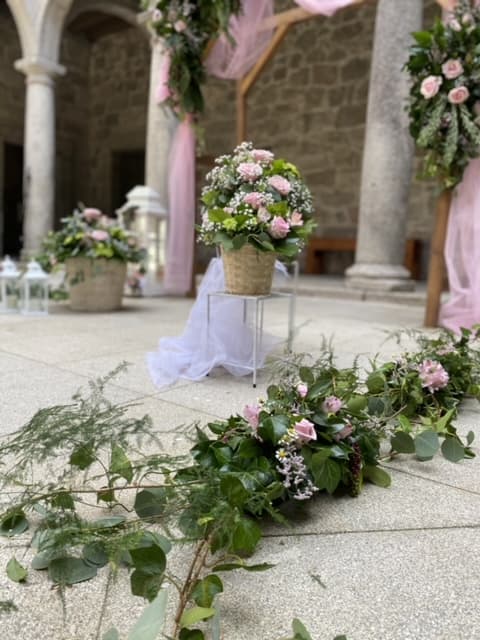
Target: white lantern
9	286
34	290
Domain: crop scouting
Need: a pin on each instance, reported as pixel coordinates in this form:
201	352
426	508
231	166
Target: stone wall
119	84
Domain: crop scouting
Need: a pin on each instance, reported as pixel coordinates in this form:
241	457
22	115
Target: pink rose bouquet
252	197
443	66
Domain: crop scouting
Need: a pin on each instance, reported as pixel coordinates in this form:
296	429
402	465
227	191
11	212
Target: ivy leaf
205	590
300	630
150	623
150	503
402	442
470	437
326	472
424	38
452	450
273	428
306	375
15	571
120	464
377	476
197	614
13	524
83	456
426	444
63	500
233	489
69	570
191	634
246	536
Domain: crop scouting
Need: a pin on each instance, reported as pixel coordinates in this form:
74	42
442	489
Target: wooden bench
318	246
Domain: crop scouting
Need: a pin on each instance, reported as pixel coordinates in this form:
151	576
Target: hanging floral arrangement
444	109
188	29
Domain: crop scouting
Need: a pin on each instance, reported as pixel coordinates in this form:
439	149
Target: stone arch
22	22
50	29
106	7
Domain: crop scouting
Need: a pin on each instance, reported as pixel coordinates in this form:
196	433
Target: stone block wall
119	85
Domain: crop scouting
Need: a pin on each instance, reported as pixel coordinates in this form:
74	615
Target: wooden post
436	269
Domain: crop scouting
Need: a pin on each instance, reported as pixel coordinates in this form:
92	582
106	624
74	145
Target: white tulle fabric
462	254
226	341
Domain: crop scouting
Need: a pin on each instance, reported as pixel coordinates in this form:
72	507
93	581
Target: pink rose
99	235
432	375
296	220
249	171
343	433
263	214
91	214
254	199
453	23
452	69
302	389
332	404
431	86
280	184
262	155
279	228
467	19
251	413
305	430
180	25
459	95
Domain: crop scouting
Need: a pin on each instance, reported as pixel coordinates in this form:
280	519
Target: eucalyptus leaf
149	559
152	620
69	570
120	464
94	554
195	615
232	566
16	571
13	524
402	442
150	503
112	634
426	444
452	450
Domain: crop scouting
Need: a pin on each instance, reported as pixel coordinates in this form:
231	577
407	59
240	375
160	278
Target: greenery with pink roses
187	29
90	234
252	197
444	109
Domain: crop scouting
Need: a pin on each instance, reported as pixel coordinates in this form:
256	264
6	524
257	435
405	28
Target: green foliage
187	34
91	237
448	131
15	571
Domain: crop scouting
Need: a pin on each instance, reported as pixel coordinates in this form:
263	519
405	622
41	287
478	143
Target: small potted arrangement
95	250
255	208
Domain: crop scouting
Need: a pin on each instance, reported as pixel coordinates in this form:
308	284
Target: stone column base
379	277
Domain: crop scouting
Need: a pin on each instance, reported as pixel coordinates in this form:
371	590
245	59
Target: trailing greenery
321	428
444	107
188	28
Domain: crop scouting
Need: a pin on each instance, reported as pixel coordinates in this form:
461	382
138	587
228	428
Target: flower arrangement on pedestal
253	198
187	28
444	66
95	250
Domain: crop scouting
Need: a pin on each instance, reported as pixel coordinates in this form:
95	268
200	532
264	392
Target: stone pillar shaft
388	153
39	163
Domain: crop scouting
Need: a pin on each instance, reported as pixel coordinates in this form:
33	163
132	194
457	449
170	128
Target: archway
12	109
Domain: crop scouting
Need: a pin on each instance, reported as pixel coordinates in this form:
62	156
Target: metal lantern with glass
9	292
34	290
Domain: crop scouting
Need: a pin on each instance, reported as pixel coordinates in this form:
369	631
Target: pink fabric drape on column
181	189
462	253
324	7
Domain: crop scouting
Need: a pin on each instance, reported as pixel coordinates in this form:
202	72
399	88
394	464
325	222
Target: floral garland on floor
187	29
320	428
444	108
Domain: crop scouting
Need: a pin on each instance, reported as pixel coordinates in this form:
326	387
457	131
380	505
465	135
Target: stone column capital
40	70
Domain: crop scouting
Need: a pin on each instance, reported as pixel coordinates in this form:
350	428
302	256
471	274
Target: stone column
388	154
39	150
151	201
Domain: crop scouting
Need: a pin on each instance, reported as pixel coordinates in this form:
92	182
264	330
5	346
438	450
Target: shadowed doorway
12	200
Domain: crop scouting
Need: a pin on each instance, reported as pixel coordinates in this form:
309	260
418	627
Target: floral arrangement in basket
253	198
187	29
444	109
90	234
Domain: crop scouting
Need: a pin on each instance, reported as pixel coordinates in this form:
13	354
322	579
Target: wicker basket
95	284
248	272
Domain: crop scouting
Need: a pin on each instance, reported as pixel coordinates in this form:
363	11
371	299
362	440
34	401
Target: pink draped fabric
224	61
181	188
324	7
462	254
163	90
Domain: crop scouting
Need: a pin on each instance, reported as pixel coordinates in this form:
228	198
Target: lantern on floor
9	276
34	290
